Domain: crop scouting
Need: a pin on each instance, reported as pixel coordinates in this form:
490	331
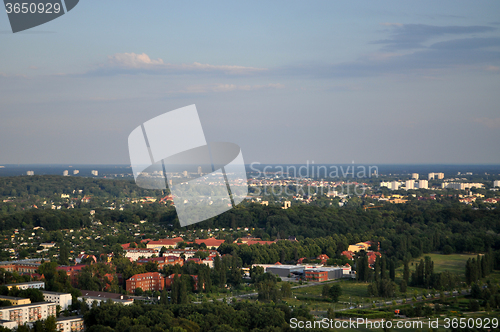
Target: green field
356	292
454	263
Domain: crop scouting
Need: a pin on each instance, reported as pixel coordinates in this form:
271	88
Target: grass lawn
454	263
356	292
349	289
352	292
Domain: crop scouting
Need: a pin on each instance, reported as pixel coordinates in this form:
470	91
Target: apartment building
136	253
423	184
89	300
162	261
461	186
70	324
151	281
21	266
62	299
28	313
15	300
27	285
167	243
410	184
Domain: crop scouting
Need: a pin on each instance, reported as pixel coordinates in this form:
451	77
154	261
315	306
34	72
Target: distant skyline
371	82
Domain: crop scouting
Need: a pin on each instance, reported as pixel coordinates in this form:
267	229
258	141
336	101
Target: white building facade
64	300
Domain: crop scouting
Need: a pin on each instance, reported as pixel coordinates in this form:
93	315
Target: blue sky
289	81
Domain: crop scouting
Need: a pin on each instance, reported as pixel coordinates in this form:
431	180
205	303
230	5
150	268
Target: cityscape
73	244
249	166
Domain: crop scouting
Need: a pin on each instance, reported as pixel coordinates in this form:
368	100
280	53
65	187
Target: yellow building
358	247
15	300
398	201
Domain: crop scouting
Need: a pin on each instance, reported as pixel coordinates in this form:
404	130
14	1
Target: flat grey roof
12	297
25	305
103	298
26	283
54	293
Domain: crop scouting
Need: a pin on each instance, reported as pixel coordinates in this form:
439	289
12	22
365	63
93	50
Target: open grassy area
454	263
352	291
356	292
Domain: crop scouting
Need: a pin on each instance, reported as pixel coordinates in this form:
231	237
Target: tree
151	266
138	291
362	268
335	292
183	291
330	313
286	290
200	254
326	289
175	290
476	292
376	272
50	324
402	287
473	305
447	250
35	295
392	270
164	297
63	255
406	272
23	254
383	268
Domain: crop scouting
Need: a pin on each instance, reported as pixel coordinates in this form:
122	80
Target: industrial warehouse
309	272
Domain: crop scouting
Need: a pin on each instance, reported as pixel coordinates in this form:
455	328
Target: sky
288	81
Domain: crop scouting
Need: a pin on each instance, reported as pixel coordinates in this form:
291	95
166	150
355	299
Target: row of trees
478	268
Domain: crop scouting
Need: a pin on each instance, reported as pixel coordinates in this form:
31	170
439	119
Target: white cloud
143	61
132	60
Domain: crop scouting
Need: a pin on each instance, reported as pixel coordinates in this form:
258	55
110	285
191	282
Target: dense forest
46	186
415	228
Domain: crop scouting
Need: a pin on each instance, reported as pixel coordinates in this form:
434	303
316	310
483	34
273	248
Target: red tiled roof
166	242
211	242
